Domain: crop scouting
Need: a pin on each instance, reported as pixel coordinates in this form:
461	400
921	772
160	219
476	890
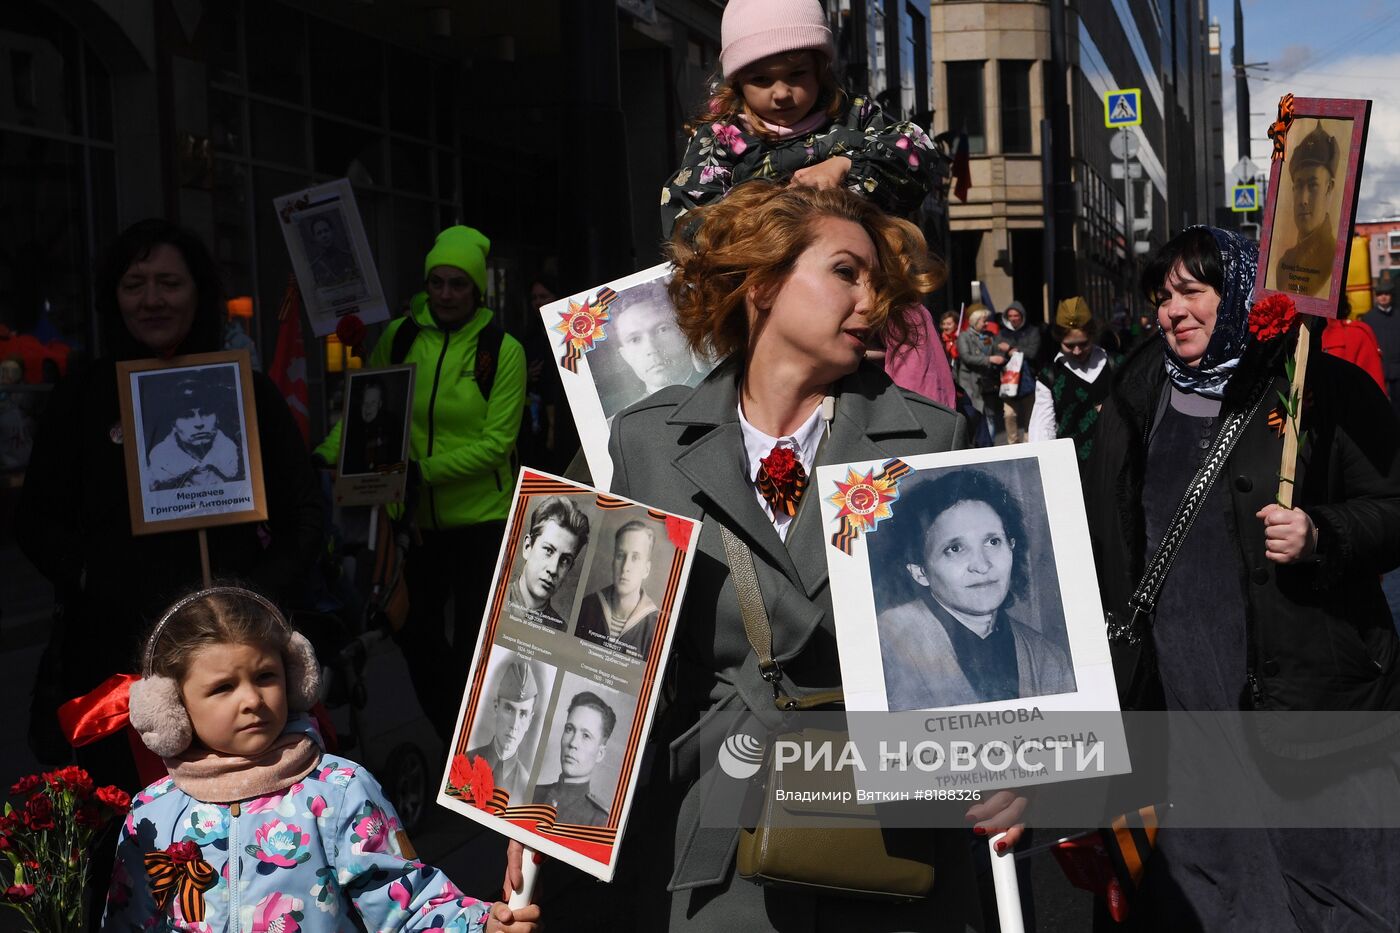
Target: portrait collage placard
330	255
190	436
964	581
374	430
565	680
1311	207
614	345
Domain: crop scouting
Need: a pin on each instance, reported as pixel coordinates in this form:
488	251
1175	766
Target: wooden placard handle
204	558
1288	466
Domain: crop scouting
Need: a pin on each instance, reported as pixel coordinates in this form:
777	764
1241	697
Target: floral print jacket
893	164
326	854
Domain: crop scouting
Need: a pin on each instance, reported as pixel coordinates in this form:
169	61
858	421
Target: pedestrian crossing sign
1245	198
1122	108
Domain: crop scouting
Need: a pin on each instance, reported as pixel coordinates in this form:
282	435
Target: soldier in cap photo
517	689
557	536
582	746
196	451
1305	268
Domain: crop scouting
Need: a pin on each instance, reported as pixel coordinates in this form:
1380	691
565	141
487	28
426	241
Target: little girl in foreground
780	115
256	828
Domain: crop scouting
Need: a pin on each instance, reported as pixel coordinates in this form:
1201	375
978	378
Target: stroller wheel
407	784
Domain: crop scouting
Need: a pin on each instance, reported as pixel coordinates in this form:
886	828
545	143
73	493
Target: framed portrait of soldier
374	436
579	704
330	255
189	433
580	767
615	345
1311	203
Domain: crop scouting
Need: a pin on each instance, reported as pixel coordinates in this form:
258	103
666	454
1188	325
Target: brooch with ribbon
781	480
178	871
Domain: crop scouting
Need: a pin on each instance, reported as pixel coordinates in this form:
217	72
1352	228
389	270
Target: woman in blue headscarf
1264	608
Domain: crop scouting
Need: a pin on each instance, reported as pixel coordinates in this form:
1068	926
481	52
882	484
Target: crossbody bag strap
759	630
1143	602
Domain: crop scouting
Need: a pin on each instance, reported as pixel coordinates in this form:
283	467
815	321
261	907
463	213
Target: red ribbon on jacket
99	713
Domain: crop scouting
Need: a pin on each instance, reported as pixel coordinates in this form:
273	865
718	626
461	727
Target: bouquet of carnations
45	835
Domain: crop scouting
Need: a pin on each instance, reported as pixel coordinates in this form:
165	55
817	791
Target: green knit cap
462	248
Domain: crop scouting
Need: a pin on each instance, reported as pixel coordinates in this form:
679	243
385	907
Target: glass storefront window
55	189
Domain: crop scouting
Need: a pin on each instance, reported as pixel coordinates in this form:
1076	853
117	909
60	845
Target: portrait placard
1311	205
330	255
964	581
615	345
565	680
190	436
374	430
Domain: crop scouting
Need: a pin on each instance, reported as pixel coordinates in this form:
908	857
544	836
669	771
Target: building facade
1384	238
993	68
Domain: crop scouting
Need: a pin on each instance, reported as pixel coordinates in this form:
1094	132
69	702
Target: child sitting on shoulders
780	115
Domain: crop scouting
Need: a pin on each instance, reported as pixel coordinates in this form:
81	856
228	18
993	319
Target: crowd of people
796	266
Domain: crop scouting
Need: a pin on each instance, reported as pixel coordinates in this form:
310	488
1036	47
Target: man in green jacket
462	450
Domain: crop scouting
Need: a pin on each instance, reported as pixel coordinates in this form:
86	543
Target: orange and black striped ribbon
782	498
185	880
1278	130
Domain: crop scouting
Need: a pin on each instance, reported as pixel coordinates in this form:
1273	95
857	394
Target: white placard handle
1007	890
529	871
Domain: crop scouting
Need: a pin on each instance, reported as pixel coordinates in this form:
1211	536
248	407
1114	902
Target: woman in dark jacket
158	295
1265	608
787	285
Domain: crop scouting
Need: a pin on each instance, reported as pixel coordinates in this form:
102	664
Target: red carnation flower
38	813
678	531
5	844
27	785
1272	316
88	815
186	850
781	464
482	783
461	774
114	797
350	331
72	777
18	893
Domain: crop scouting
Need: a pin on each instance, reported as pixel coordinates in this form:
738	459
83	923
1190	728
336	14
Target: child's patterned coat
893	164
326	854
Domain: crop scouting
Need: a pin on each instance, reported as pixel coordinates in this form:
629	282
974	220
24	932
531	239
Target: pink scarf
211	777
813	121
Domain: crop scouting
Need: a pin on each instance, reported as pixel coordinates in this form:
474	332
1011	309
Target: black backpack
488	351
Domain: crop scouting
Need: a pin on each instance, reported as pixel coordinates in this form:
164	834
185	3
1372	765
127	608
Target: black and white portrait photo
327	248
509	719
645	350
193	428
967	595
330	254
544	580
641	351
374	436
561	716
631	562
192	449
582	751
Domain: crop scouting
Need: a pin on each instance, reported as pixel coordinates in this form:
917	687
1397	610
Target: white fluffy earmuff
156	709
303	673
158	713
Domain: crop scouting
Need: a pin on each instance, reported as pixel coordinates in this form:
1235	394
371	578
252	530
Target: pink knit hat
754	29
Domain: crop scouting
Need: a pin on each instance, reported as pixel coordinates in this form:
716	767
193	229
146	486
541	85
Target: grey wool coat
682	450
